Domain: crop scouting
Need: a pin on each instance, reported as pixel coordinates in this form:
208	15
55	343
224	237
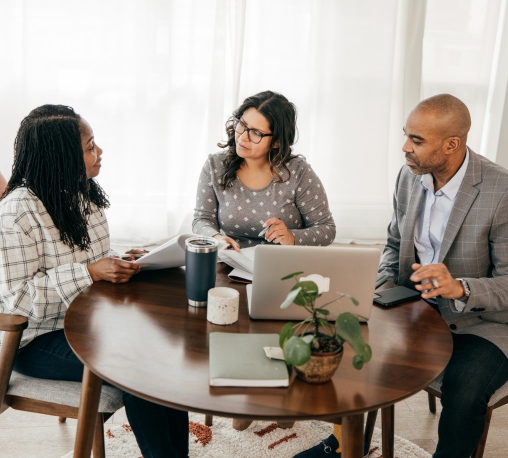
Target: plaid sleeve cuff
70	280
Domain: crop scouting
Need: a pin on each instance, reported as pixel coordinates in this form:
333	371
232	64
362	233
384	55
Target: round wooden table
142	337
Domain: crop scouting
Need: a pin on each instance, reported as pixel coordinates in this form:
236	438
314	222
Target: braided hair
48	160
281	116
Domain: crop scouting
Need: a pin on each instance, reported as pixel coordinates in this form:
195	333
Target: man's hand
112	269
437	281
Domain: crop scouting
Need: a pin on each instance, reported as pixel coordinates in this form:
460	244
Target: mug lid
201	244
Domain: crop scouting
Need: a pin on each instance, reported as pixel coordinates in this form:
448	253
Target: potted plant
315	345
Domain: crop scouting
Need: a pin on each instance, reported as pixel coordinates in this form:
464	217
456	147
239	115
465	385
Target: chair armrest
12	323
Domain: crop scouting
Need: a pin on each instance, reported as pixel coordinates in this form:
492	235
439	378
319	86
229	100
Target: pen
263	232
432	280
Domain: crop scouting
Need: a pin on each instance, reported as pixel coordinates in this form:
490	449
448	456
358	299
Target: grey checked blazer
474	247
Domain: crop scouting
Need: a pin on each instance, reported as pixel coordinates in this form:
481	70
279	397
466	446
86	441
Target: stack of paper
242	262
167	255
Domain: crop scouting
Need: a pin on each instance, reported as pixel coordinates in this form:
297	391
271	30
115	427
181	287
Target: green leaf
351	298
286	332
349	329
322	322
296	351
323	311
360	359
294	274
308	293
367	353
308	338
290	298
357	362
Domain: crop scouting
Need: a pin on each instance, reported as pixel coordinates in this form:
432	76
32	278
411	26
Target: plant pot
320	367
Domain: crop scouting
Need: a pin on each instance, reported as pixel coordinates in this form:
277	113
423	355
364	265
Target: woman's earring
270	157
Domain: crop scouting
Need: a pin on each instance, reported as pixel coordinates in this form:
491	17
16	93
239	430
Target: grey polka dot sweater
240	212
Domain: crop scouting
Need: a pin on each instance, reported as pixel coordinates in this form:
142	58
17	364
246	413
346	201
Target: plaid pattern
475	247
39	274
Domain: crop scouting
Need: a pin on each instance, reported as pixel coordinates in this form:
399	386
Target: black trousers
475	371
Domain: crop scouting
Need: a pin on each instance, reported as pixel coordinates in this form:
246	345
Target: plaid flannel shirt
39	274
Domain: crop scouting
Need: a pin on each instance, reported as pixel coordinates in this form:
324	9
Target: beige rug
263	439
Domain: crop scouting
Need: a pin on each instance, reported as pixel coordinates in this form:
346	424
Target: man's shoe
325	449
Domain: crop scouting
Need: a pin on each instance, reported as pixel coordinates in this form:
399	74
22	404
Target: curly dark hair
281	116
48	160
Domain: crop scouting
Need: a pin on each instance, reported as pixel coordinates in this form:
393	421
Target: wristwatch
467	291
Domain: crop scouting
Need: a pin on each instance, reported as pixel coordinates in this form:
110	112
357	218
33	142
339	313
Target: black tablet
394	296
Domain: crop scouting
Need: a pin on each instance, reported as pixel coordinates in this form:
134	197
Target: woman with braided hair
3	184
54	243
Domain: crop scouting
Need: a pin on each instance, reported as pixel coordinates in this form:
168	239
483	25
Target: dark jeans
161	432
476	370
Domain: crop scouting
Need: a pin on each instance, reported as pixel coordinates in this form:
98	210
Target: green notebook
239	360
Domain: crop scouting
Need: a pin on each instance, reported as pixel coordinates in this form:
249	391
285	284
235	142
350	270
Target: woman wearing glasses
257	184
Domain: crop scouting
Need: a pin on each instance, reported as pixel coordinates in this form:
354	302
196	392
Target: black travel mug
200	268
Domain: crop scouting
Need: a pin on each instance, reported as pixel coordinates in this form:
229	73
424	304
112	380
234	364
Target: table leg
388	430
352	436
87	415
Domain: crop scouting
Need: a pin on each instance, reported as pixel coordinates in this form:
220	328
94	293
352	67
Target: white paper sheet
243	260
167	255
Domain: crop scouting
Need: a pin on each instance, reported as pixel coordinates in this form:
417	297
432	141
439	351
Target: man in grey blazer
449	239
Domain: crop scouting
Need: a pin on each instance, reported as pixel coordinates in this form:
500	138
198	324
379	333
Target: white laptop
351	270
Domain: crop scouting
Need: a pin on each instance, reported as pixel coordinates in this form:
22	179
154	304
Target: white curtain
157	80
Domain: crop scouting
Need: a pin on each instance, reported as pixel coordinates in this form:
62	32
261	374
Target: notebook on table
351	270
239	359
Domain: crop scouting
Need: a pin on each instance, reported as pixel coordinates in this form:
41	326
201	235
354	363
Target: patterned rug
262	439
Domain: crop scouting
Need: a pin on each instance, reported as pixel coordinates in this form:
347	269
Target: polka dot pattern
240	212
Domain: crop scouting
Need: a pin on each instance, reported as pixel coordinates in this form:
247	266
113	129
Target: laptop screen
350	270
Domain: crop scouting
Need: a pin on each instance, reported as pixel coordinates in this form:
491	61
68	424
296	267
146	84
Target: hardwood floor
26	435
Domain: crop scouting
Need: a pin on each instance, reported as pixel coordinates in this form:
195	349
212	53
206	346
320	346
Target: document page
244	260
167	255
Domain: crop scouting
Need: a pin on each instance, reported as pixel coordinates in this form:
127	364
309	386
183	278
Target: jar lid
201	244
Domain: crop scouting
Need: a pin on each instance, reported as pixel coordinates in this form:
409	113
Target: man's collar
451	188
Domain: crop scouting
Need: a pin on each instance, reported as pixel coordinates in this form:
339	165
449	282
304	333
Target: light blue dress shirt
434	214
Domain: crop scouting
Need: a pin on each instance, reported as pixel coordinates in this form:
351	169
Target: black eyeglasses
254	135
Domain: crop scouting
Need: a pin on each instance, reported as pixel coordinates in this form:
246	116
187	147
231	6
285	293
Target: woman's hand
133	254
233	243
112	269
278	232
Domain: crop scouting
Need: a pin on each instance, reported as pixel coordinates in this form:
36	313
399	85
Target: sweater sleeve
312	203
205	213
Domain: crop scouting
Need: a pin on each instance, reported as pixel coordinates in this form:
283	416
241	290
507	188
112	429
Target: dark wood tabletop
142	337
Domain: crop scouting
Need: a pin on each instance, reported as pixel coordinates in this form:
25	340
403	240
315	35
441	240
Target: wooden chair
498	399
50	397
